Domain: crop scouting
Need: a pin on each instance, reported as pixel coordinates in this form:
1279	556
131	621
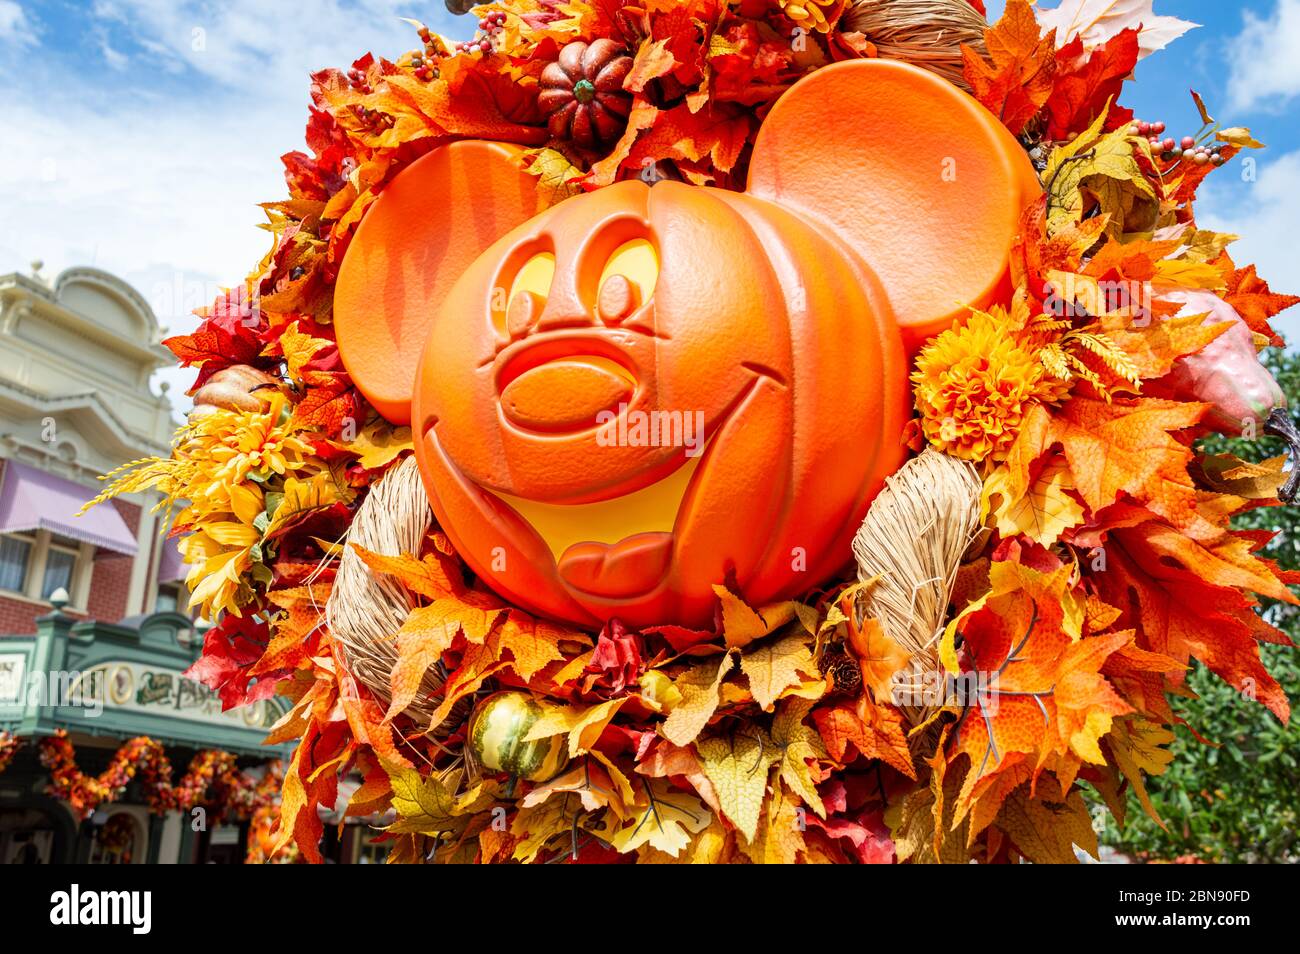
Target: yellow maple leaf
737	764
776	666
798	743
699	687
663	818
378	444
1042	510
742	624
1044	825
299	349
1140	748
582	724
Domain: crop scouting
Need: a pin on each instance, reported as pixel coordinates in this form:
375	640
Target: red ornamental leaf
230	333
1084	84
865	837
329	403
230	649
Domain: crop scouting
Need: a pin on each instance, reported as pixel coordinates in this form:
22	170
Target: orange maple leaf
1124	447
1031	680
1018	81
1171	593
1256	302
876	731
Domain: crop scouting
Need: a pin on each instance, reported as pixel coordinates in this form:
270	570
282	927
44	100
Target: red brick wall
110	580
18	617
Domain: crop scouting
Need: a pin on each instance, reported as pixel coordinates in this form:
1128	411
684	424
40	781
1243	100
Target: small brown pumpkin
582	93
239	387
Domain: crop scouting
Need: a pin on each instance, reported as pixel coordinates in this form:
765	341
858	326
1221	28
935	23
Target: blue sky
137	135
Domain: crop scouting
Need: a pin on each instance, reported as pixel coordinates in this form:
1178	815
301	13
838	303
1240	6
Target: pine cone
583	93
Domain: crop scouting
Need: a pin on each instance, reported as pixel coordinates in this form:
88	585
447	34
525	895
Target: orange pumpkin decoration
640	393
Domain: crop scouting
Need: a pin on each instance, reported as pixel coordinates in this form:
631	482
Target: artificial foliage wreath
1058	557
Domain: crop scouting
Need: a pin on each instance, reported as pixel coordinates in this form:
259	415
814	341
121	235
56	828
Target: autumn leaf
1040	691
742	624
876	731
1095	22
880	657
1042	509
652	60
664	818
535	826
776	666
1140	748
1018	80
535	643
737	764
1256	302
798	744
1086	82
426	806
923	825
302	498
378	444
589	781
1124	447
299	348
779	838
1181	614
1096	169
557	177
582	724
422	639
699	692
1046	824
434	577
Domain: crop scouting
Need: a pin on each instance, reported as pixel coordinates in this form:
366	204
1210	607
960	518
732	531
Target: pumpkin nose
566	394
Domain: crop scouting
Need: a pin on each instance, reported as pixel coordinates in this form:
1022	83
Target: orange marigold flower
975	382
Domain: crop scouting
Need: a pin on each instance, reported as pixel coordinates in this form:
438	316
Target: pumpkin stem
584	91
1279	424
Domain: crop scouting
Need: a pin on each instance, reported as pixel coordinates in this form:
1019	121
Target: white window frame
42	541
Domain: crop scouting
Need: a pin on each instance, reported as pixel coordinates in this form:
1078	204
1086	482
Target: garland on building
1108	565
213	779
9	746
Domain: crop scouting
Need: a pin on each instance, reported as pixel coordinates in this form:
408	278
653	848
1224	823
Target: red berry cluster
1170	149
482	43
425	64
358	81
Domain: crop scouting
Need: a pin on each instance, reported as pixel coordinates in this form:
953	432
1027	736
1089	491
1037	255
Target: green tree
1240	801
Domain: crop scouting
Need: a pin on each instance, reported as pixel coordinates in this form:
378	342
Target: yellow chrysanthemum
975	382
818	15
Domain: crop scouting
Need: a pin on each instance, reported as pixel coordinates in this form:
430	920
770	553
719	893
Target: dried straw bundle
366	609
912	540
925	33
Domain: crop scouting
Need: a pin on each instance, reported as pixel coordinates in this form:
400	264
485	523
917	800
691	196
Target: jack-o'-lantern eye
526	297
627	281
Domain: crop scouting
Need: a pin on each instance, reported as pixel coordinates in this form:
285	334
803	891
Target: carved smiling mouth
622	547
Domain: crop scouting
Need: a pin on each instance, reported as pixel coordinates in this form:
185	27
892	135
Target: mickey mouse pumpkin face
642	392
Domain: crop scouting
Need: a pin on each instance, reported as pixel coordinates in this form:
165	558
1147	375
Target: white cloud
14	27
1264	213
265	48
159	181
1265	59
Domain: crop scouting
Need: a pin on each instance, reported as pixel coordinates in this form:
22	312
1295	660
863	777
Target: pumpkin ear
913	174
426	228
